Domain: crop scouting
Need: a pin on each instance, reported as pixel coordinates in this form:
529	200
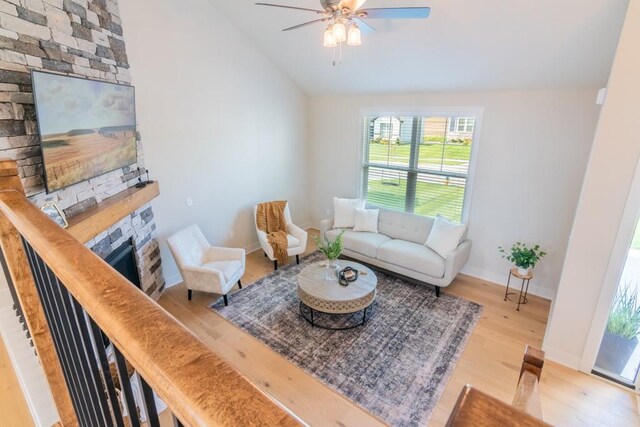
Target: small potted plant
623	328
522	256
332	250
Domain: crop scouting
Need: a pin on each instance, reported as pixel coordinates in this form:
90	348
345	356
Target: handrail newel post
19	273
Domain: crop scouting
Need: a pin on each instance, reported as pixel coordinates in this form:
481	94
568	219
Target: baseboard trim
501	280
172	280
255	246
561	357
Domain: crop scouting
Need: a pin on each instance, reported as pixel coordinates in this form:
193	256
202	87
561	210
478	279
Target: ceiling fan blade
398	13
322	12
353	5
305	24
364	26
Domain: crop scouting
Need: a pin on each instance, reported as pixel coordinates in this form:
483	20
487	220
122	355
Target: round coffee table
330	297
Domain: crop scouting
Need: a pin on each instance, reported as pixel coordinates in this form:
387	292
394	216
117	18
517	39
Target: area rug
396	366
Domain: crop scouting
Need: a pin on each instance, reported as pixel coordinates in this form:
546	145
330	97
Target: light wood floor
491	361
14	411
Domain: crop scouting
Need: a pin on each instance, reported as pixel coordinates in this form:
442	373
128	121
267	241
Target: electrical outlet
328	211
232	234
189	201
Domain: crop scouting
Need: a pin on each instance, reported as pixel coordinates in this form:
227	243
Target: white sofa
399	247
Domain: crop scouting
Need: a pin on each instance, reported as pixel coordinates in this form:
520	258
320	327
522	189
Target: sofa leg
226	300
189	294
275	264
298	259
239	284
438	291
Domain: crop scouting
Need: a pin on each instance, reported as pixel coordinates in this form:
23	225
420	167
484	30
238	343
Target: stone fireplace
137	230
82	38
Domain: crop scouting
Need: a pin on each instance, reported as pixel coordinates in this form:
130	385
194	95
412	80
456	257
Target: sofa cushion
367	220
361	242
412	256
445	236
344	211
404	226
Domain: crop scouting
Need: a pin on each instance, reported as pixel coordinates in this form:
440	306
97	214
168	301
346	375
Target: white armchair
204	267
296	238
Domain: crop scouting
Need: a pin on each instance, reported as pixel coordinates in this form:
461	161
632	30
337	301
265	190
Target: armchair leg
438	291
189	294
226	300
297	259
239	284
275	264
265	254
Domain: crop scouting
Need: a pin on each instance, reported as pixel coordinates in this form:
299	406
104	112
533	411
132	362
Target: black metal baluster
70	327
176	421
149	403
106	371
83	355
60	340
99	386
80	348
125	384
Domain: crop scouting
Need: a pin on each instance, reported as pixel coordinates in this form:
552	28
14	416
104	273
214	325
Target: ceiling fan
345	17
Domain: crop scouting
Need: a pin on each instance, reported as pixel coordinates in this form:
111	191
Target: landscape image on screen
87	127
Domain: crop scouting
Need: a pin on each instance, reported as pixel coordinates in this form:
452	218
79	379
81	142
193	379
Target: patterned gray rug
396	366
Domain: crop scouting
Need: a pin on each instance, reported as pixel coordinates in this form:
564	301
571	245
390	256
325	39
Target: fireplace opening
123	260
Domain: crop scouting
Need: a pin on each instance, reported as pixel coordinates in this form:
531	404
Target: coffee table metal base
309	317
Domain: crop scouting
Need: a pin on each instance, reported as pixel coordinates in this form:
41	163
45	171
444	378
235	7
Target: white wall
612	164
532	155
220	122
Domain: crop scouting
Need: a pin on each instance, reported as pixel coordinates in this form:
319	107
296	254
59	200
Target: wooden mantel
93	221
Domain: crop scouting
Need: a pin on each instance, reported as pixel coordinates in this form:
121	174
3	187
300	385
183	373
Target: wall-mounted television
87	127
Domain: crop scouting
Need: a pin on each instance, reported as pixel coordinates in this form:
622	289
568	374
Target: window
424	166
462	125
385	130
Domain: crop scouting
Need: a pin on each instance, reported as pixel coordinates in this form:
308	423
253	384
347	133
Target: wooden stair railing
72	300
475	408
527	397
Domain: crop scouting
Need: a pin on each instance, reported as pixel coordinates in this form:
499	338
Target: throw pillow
367	220
445	236
345	212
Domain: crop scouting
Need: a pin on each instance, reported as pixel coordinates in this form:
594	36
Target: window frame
471	111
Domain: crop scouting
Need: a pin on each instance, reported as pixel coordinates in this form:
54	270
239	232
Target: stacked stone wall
82	38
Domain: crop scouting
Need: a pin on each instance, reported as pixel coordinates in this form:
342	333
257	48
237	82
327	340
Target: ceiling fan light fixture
355	36
329	38
340	32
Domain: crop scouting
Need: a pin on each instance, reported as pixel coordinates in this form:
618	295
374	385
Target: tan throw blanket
270	219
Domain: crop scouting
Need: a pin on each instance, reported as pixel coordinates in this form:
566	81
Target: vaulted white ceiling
466	45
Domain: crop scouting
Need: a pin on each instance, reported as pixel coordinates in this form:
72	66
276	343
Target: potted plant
522	256
332	250
623	327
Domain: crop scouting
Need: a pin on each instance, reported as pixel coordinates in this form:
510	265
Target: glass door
619	354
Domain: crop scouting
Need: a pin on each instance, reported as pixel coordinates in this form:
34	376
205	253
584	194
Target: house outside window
418	164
